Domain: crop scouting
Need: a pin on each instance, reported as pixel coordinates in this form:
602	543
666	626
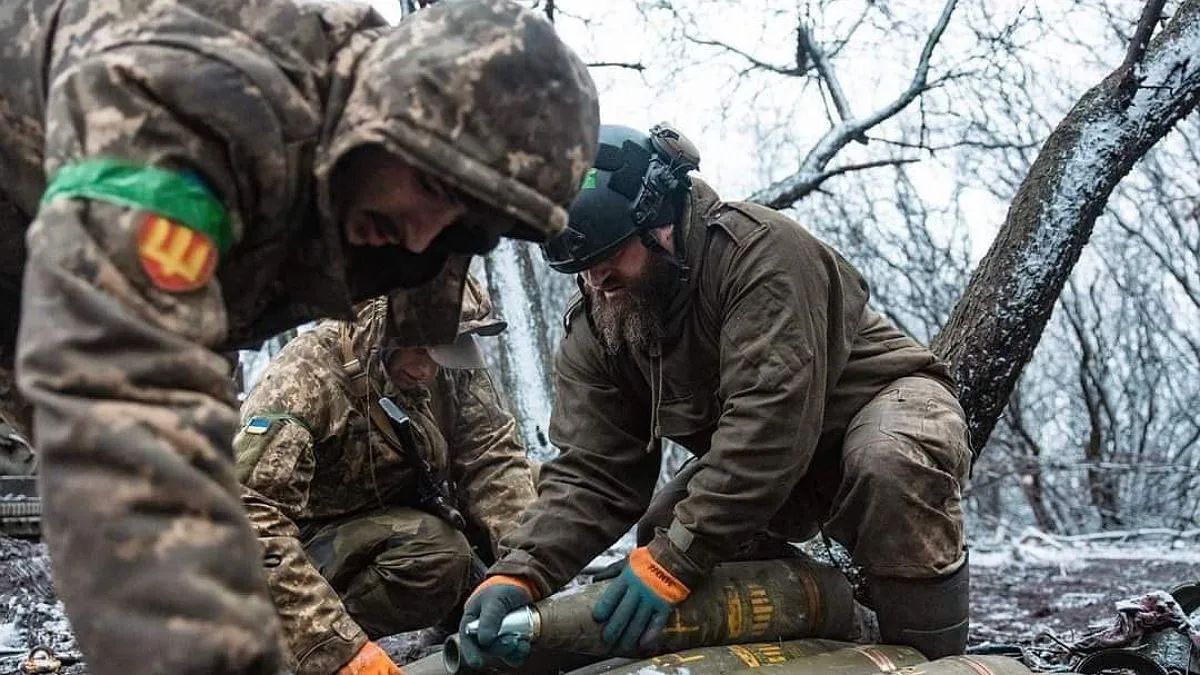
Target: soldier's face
383	201
409	367
629	294
622	272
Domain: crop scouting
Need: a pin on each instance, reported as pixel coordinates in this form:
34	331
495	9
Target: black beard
635	318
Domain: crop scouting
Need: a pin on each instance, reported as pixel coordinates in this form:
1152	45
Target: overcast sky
755	132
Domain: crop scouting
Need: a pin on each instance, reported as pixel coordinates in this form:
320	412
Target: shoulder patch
261	423
258	425
177	258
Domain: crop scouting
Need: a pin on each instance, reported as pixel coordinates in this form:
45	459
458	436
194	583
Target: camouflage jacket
322	459
251	103
770	349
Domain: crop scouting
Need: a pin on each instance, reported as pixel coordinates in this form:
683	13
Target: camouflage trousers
892	496
396	569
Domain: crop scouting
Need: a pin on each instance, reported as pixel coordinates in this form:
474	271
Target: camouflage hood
483	95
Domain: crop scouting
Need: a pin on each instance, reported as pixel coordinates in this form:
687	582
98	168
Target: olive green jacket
770	349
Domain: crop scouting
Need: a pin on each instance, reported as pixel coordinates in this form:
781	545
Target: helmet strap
651	242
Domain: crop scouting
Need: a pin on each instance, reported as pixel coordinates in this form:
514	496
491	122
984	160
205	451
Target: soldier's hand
636	605
370	660
489	603
611	570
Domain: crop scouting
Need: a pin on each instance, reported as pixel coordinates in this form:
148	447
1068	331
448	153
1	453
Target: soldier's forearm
133	425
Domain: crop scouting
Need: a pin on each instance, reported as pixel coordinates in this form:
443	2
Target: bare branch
786	192
754	61
814	181
824	68
1152	13
638	66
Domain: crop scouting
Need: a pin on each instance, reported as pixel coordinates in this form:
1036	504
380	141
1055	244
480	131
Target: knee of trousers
432	569
899	512
413	582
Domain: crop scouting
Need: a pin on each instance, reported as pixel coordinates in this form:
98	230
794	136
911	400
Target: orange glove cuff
654	575
512	581
371	660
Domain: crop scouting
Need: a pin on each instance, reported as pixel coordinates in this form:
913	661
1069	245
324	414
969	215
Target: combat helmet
632	189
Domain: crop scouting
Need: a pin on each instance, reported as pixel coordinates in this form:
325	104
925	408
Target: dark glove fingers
491	614
654	630
633	631
469	651
610	571
512	649
621	616
609	600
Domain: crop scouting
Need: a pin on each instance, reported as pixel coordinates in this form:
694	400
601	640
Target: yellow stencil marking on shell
745	656
733	612
761	609
772	653
678	626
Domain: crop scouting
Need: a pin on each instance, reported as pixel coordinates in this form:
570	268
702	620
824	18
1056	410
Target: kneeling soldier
351	457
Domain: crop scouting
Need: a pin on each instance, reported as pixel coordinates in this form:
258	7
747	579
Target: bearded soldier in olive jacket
353	549
728	328
199	174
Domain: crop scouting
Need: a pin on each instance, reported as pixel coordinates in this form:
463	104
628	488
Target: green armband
179	196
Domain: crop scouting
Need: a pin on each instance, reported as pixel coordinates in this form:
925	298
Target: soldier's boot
930	615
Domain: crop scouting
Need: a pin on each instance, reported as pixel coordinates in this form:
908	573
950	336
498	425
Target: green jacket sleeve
788	308
599	484
488	462
134	411
299	398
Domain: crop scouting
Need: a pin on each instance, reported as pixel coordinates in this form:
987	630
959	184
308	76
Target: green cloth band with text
172	194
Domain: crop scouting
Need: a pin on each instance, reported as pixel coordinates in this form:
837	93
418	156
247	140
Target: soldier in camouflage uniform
333	487
199	174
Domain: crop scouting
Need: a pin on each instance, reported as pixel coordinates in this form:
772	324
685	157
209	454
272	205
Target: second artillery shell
727	659
740	602
861	660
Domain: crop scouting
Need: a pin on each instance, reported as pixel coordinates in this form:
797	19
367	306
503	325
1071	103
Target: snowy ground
1020	589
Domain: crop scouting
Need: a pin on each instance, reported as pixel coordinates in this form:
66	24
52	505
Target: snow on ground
1021	588
1037	584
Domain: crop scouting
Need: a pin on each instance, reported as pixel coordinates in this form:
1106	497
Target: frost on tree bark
992	332
525	354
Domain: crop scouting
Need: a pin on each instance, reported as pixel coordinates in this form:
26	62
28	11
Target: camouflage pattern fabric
321	464
255	102
769	373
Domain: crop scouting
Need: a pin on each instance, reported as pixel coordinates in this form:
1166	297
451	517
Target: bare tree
995	327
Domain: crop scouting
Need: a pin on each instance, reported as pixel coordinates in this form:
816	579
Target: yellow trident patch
175	257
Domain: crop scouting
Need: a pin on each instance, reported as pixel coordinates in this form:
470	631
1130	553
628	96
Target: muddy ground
1017	594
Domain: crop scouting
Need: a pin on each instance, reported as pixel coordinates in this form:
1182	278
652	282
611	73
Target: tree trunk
525	354
992	332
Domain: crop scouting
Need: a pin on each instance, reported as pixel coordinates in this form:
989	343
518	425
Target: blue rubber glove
490	602
636	605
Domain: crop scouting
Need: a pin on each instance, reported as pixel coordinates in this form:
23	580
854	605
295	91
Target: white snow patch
10	636
1073	553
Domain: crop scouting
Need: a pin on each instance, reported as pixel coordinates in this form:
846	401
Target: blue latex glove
637	604
491	601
